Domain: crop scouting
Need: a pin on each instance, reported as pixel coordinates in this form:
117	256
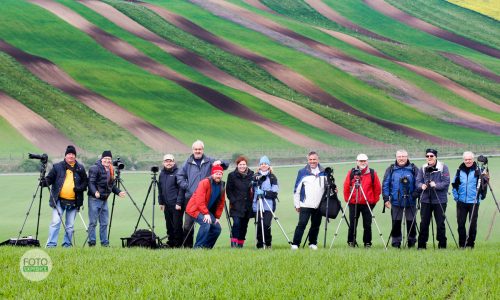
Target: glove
259	192
386	199
43	182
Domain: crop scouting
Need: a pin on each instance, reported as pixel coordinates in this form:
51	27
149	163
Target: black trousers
304	215
397	214
268	238
173	220
426	212
354	211
464	210
188	231
240	226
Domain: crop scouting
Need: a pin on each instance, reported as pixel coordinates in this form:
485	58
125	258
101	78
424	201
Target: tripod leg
228	222
278	222
142	210
490	228
494	198
135	204
373	217
28	213
342	218
187	235
111	217
445	218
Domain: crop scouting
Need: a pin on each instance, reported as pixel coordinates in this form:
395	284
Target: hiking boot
368	245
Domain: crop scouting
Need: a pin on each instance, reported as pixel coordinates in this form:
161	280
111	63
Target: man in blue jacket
197	167
468	196
68	181
397	189
433	181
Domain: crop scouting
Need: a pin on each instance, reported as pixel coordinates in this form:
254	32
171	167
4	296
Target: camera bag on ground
23	242
333	206
142	238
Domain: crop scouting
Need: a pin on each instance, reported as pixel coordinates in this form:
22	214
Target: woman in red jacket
368	193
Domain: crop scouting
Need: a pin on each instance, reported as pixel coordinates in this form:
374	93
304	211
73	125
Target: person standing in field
196	168
101	185
433	180
240	197
307	194
170	200
68	180
468	193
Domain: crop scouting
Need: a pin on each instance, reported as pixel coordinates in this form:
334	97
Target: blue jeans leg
103	224
70	222
207	233
54	227
93	210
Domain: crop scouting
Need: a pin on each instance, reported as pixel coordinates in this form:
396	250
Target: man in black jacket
170	200
101	185
68	181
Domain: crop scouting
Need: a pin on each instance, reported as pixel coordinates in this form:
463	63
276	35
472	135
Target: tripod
260	213
229	223
402	214
359	192
119	184
152	186
39	187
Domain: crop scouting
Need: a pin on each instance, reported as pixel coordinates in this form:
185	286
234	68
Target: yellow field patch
489	8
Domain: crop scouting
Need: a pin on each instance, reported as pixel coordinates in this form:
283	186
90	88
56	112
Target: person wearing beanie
206	206
101	184
397	191
68	180
266	189
239	193
170	197
197	167
361	202
433	181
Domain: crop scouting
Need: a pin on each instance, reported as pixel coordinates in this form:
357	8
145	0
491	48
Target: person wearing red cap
206	206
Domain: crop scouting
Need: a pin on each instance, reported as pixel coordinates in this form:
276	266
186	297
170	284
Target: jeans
426	211
207	233
411	231
464	209
173	220
304	215
354	211
56	224
98	209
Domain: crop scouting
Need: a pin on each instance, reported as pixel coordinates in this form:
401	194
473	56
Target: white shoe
294	247
313	247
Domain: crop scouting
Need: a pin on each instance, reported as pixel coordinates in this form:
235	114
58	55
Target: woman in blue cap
264	201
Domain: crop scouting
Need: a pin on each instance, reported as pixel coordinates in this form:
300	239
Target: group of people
195	193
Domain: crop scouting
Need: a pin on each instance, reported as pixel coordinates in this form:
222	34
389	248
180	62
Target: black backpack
333	206
142	238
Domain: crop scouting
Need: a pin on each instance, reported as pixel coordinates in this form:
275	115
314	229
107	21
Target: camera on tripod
482	159
118	164
258	179
42	157
356	172
154	169
404	180
330	179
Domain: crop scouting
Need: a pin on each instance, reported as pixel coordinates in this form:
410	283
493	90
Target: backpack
142	238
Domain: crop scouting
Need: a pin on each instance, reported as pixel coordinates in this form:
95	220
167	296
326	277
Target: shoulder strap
372	175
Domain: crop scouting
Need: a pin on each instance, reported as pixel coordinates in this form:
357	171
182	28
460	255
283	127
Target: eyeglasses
429	156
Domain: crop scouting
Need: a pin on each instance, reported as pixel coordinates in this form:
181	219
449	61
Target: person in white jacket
307	194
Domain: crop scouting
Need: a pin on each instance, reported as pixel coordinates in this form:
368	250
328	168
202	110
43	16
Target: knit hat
217	168
264	160
70	149
107	153
433	151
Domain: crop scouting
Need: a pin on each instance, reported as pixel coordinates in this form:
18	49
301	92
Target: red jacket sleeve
347	186
201	196
220	205
377	189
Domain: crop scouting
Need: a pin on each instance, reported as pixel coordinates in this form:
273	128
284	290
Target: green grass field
248	273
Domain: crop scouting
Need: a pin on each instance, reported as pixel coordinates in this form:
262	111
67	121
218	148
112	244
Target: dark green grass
453	18
11	141
159	101
332	80
61	110
417	55
255	104
248	72
359	13
248	273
